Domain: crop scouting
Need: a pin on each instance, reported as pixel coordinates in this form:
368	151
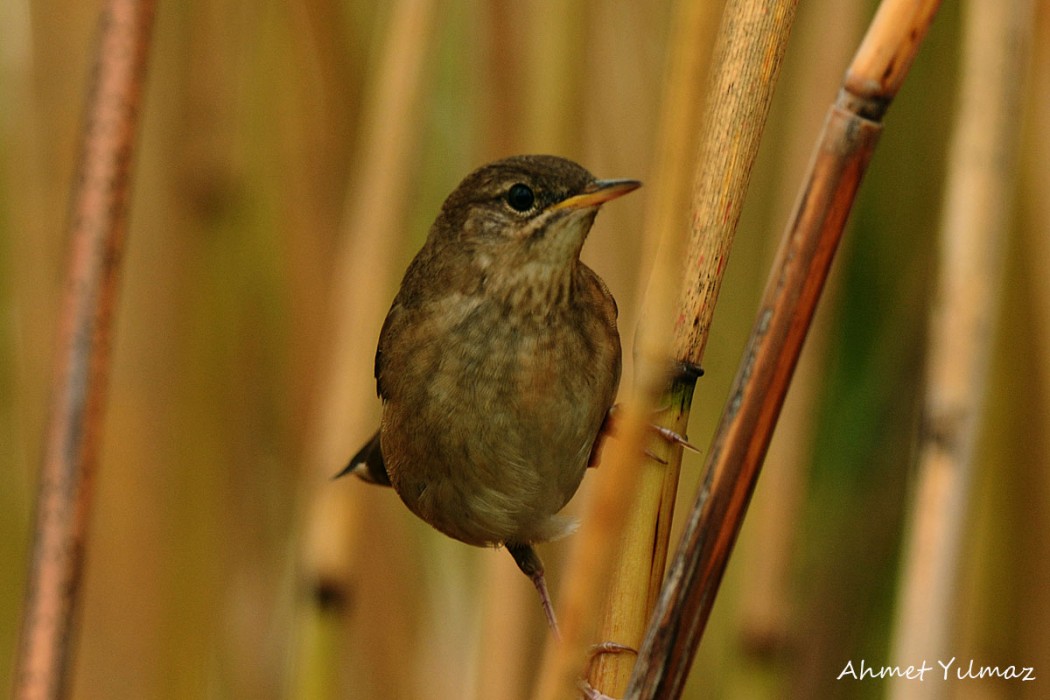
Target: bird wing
391	319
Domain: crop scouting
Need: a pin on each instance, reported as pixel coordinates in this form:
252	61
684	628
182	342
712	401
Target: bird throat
535	288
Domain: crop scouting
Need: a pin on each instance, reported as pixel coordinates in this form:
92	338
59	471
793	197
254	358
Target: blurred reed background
292	157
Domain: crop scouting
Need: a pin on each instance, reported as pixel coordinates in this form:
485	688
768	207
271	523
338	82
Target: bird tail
368	464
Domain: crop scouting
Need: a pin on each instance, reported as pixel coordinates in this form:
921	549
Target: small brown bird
499	361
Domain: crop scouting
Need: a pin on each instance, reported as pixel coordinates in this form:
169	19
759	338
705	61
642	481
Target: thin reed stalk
1035	183
97	229
342	518
974	223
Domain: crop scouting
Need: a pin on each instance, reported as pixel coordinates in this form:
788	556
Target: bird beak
597	193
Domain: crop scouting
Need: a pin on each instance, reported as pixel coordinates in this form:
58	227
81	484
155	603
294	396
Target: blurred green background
291	158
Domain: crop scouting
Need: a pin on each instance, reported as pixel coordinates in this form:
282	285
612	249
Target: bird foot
673	437
609	428
589	691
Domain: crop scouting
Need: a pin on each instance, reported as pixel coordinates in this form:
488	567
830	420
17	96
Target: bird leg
529	563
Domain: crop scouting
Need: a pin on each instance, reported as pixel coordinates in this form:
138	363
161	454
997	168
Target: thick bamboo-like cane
749	46
801	267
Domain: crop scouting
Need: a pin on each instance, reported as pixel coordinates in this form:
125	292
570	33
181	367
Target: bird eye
520	197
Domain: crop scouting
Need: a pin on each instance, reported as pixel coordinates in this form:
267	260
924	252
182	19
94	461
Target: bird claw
596	650
609	427
673	437
590	693
655	457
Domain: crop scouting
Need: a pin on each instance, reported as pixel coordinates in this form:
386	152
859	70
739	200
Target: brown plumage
499	360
